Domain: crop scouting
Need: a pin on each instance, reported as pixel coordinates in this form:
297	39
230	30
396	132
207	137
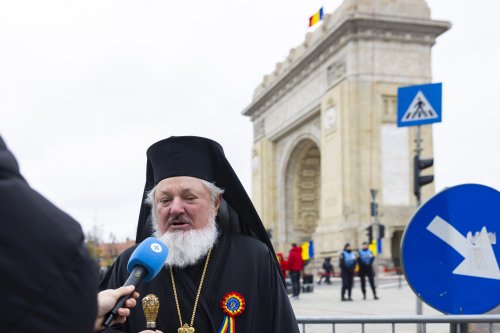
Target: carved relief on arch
259	129
303	189
336	72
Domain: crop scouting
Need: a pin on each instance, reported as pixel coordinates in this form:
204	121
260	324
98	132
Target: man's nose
177	206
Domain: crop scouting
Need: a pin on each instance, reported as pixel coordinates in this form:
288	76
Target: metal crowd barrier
458	323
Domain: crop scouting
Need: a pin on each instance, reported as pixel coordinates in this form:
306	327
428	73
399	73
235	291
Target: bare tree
112	248
92	241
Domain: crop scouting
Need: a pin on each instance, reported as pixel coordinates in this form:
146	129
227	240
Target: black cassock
238	263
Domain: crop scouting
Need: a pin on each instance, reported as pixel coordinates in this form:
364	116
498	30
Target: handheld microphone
144	264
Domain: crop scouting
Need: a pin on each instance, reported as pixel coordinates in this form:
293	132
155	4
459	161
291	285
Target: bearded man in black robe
221	272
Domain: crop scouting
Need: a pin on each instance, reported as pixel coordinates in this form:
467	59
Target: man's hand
107	299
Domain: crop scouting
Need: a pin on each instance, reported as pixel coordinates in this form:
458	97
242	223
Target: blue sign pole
419	105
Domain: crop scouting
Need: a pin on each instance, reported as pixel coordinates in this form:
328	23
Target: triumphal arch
325	127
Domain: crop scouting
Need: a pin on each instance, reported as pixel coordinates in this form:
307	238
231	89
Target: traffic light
375	231
418	180
369	233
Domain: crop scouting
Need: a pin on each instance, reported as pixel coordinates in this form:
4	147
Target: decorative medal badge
150	305
186	329
233	305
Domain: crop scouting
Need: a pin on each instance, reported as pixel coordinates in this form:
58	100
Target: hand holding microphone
106	300
144	264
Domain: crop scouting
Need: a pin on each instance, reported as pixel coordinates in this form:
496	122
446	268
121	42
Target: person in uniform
221	273
347	263
365	261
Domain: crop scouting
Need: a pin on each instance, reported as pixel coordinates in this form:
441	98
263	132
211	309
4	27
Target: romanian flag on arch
318	16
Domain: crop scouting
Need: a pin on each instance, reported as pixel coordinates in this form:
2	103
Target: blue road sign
419	105
450	250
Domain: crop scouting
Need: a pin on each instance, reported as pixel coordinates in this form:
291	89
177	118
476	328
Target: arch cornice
327	42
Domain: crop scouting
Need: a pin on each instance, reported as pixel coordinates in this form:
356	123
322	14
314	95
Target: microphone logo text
156	247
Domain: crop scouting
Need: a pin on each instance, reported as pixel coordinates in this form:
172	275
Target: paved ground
395	299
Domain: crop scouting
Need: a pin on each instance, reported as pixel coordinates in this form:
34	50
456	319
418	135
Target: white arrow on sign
480	260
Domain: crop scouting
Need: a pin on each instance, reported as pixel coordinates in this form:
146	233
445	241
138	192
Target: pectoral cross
185	329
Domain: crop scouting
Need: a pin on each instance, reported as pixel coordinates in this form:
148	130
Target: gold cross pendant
185	329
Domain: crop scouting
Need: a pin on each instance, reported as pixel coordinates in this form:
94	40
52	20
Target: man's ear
217	202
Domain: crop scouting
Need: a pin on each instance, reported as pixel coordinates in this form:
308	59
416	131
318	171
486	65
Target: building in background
325	127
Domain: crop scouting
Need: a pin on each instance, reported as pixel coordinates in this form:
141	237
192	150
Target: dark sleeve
69	305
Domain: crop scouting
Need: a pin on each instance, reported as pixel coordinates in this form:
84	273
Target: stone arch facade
331	104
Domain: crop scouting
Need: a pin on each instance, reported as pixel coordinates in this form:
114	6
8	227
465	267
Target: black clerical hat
187	156
201	158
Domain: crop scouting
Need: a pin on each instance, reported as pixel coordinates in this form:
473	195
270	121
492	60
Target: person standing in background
283	264
347	263
365	261
328	271
295	265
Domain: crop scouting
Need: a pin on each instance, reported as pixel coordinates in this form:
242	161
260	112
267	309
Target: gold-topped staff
150	305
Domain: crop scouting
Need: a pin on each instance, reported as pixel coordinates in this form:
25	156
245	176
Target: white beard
185	248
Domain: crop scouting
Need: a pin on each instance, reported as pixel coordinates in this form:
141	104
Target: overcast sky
87	86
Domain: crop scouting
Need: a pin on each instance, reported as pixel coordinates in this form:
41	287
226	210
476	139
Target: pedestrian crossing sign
419	104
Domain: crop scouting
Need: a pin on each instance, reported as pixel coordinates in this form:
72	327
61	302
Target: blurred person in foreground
221	274
49	280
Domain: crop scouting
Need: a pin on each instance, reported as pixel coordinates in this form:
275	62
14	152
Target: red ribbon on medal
233	305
